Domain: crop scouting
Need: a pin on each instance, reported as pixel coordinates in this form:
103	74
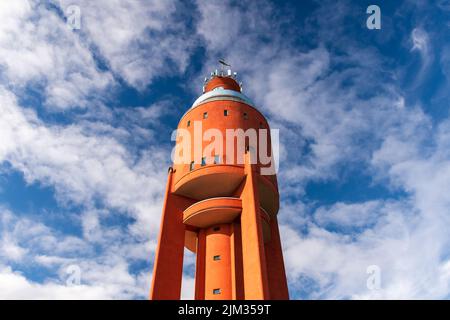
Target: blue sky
86	117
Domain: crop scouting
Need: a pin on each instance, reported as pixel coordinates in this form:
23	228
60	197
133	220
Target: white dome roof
222	94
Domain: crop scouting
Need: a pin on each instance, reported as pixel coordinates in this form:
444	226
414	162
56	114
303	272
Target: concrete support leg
168	264
275	264
200	266
253	255
236	263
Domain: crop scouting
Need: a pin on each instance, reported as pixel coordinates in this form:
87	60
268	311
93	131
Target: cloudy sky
86	117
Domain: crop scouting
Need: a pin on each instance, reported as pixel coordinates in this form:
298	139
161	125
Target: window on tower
203	161
216	258
205	115
189	123
216	291
245	116
225	113
191	166
216	159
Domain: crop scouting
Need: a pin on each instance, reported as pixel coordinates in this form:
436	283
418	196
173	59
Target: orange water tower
220	204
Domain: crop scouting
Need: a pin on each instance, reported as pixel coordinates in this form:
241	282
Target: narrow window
225	113
203	161
205	115
189	123
216	228
245	116
216	159
216	291
216	258
191	166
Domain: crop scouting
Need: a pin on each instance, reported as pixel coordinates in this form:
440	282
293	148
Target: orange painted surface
249	263
206	213
254	259
224	82
200	266
237	277
218	271
275	266
218	121
168	265
223	172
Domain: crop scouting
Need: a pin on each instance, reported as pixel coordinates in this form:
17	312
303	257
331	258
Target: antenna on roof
222	62
224	65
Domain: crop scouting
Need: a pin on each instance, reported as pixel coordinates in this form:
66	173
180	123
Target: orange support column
218	263
275	264
168	264
253	255
236	262
200	266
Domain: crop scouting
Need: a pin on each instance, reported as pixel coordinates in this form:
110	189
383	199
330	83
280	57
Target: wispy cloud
139	40
38	49
421	43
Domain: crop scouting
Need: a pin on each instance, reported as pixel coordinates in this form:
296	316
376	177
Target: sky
86	116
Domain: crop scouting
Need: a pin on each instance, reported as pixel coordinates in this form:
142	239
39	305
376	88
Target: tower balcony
216	211
225	180
210	181
209	212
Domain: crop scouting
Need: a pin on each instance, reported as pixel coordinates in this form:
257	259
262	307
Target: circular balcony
269	198
220	180
210	181
210	212
207	213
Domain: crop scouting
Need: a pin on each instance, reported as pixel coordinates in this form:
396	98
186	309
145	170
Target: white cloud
10	250
23	238
406	238
103	275
187	288
420	41
51	261
220	24
85	161
82	167
14	285
37	48
139	40
355	215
